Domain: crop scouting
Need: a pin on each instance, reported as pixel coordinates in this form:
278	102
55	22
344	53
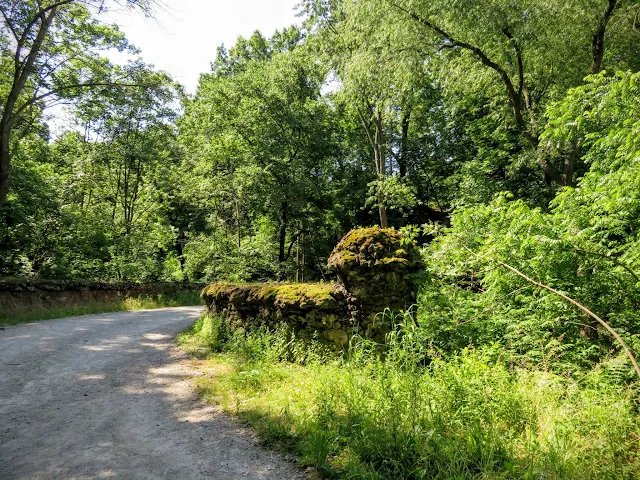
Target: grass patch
407	413
32	313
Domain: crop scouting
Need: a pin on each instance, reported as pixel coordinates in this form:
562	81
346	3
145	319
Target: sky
183	36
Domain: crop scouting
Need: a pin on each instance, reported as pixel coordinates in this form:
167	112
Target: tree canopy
491	132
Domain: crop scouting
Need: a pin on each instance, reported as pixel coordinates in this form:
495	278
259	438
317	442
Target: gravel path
108	396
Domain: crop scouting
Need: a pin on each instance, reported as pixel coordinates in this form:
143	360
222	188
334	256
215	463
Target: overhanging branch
515	95
56	91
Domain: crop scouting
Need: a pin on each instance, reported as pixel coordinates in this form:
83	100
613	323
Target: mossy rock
378	268
366	248
309	308
299	295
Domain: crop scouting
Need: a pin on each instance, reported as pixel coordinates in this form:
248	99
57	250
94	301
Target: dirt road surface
109	397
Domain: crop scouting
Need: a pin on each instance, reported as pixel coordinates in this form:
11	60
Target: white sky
183	37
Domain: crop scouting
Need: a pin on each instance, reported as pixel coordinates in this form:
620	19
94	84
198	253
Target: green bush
587	246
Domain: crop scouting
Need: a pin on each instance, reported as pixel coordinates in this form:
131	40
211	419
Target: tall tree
258	123
49	50
382	97
534	50
516	56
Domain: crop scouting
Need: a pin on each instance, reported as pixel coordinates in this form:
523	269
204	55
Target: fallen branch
614	260
583	309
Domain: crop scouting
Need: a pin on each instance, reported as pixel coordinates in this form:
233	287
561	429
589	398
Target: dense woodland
398	113
488	131
502	136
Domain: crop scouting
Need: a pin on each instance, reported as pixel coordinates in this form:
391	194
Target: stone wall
16	294
309	308
376	269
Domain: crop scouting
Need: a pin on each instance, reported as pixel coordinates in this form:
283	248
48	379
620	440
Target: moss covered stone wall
16	295
310	308
376	269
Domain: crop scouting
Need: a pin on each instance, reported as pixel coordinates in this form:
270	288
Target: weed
402	411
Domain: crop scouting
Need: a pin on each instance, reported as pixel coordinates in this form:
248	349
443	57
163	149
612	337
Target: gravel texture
109	396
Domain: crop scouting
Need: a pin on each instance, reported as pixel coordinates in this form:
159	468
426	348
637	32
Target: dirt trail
109	396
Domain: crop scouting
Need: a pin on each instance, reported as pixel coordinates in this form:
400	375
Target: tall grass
32	313
403	412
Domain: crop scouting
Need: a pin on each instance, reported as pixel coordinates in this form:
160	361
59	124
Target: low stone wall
16	294
309	308
376	269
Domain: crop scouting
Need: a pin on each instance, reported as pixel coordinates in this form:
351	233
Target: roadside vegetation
503	137
25	313
409	410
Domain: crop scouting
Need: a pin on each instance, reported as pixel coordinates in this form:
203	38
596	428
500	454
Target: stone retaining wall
16	294
309	308
376	270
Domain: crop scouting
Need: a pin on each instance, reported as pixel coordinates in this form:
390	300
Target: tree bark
570	163
180	252
404	140
377	143
282	237
597	42
5	173
238	222
381	166
382	210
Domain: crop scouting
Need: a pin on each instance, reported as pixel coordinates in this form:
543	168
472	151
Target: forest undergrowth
409	410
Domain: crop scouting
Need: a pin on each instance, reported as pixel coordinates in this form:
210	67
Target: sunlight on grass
363	415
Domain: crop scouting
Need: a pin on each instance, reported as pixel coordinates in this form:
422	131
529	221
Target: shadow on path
108	396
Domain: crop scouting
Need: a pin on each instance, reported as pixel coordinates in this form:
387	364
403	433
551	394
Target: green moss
337	336
305	293
369	247
283	294
375	267
393	260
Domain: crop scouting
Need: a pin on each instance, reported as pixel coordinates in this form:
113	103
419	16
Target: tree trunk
180	252
21	75
404	139
303	264
381	166
298	260
238	222
5	174
382	210
570	163
597	42
282	234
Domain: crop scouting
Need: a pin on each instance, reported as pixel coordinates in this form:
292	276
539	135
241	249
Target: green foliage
212	334
293	140
259	136
208	335
585	246
92	207
424	113
413	414
393	193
